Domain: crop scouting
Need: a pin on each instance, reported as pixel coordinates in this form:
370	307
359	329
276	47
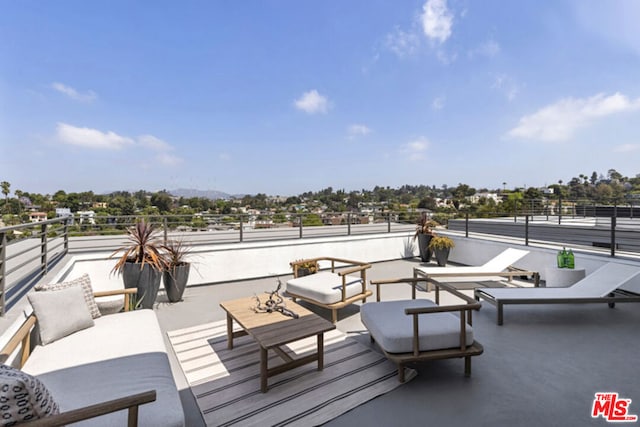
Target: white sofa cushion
393	330
324	287
122	354
23	397
60	313
83	281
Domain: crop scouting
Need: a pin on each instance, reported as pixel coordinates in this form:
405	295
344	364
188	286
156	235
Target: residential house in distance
37	216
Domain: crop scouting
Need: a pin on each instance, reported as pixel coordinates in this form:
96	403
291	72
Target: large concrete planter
145	279
175	281
442	256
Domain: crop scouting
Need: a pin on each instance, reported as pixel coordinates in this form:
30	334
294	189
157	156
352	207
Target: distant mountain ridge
208	194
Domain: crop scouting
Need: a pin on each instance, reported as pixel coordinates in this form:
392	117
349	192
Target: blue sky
282	97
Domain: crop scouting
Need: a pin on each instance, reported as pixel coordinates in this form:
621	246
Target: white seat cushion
393	329
324	287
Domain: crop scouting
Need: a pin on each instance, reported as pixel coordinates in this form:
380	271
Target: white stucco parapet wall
240	261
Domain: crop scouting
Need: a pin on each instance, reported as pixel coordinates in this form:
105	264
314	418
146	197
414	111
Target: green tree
6	189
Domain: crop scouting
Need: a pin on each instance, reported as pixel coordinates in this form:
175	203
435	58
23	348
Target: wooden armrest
22	336
412	280
131	402
360	267
127	292
115	292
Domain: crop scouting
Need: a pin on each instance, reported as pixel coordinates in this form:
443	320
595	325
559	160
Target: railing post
349	224
613	236
466	224
65	234
560	209
43	249
300	225
165	225
3	269
526	230
388	222
241	230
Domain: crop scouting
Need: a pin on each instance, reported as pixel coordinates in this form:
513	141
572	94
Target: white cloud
312	102
489	49
356	130
168	159
416	149
88	96
402	43
91	138
506	85
438	103
437	20
626	148
154	143
559	121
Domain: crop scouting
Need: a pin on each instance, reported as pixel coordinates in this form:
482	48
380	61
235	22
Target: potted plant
441	246
303	267
142	262
176	273
424	233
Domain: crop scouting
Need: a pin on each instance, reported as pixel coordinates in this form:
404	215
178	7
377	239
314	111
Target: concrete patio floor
542	368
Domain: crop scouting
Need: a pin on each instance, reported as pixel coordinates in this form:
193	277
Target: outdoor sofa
104	365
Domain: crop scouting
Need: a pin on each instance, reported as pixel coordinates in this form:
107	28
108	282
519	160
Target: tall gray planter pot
175	281
145	279
423	246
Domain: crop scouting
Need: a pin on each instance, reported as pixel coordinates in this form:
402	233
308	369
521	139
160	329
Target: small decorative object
566	259
274	303
304	268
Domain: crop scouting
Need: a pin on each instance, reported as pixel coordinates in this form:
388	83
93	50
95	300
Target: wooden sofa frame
465	312
22	337
334	307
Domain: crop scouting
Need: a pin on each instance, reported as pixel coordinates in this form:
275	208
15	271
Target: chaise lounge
418	330
500	266
601	286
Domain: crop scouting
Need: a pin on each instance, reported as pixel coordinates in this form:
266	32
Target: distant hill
209	194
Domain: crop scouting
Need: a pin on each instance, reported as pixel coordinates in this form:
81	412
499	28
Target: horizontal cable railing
28	251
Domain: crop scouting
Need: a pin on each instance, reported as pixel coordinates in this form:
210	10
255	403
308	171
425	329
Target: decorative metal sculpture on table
274	303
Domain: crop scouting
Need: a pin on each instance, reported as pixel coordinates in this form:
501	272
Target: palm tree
5	190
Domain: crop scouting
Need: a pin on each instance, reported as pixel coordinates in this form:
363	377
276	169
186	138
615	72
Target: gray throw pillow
23	397
83	281
60	313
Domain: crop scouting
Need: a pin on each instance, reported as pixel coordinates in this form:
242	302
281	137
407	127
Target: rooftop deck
542	368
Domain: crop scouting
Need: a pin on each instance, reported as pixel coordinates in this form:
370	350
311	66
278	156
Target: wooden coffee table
273	330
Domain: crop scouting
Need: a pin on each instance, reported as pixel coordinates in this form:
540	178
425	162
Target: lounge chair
417	330
601	286
330	289
500	266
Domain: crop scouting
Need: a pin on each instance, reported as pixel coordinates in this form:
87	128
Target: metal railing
28	251
27	258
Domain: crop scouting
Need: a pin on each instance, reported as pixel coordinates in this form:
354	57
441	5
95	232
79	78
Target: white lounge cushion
393	329
324	287
60	312
122	354
85	282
